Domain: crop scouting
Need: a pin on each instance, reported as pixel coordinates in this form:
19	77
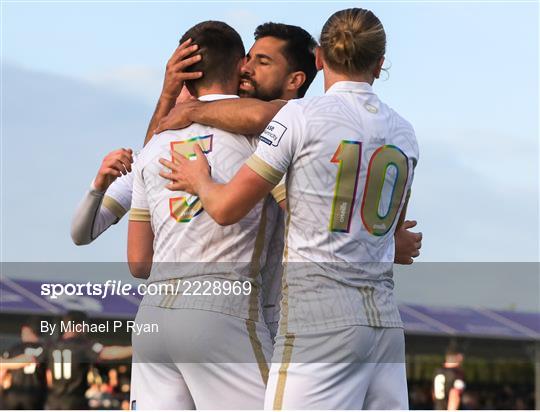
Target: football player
280	65
449	382
69	360
349	161
221	343
28	387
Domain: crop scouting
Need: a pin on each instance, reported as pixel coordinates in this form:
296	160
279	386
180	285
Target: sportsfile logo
273	133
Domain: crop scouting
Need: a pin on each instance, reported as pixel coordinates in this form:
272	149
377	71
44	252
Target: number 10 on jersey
386	180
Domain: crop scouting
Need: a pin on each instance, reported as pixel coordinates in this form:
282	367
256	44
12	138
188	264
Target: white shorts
199	360
356	367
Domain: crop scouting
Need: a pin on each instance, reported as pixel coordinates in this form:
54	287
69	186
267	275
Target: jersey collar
350	87
211	97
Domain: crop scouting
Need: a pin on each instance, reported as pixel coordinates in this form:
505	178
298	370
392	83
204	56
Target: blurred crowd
477	397
109	390
75	372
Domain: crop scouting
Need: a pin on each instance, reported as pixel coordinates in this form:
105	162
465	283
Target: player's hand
408	244
114	165
186	175
178	117
175	74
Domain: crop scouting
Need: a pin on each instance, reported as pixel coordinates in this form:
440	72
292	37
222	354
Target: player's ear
240	64
378	68
318	58
296	80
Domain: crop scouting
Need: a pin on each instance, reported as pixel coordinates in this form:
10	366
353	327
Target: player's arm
97	211
243	116
279	193
16	362
140	250
225	203
49	378
454	395
454	399
115	352
228	203
175	76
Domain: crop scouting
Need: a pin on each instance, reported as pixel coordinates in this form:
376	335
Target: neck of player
331	77
230	89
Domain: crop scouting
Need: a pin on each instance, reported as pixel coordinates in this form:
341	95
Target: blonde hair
353	41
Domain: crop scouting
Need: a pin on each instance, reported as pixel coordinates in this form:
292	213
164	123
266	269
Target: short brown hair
353	41
221	48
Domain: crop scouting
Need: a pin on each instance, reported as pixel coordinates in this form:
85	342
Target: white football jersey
117	198
188	243
272	270
349	160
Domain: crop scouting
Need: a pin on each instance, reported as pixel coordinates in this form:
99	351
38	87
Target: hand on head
175	72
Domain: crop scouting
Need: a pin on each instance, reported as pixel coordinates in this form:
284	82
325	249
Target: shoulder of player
305	103
155	146
398	120
222	136
163	140
404	129
313	106
142	155
295	111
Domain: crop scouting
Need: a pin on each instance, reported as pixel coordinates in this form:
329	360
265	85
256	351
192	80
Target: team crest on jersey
273	133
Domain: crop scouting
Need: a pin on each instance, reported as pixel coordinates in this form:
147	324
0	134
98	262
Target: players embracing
346	196
349	162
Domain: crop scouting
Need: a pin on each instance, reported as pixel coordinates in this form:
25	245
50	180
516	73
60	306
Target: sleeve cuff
114	207
139	215
264	170
94	190
279	193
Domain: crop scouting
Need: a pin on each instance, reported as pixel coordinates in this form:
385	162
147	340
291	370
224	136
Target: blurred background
80	79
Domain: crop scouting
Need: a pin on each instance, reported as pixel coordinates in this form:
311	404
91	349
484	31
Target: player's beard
258	92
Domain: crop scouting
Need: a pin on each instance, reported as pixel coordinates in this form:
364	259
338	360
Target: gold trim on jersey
257	350
282	374
139	215
288	345
256	264
279	193
284	313
367	309
264	170
114	207
166	302
372	312
253	315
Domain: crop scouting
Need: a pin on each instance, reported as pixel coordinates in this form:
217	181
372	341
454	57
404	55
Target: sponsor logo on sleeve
273	133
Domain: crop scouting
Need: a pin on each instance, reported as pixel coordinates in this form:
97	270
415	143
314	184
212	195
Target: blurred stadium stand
502	348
